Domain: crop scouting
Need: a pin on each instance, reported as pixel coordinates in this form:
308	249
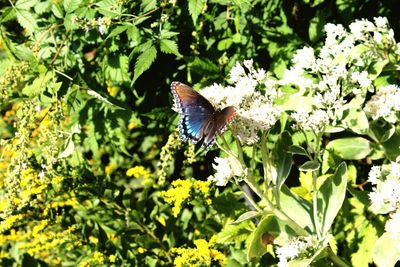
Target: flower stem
270	207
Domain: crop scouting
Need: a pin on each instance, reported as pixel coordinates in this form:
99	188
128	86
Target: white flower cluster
337	71
299	247
385	196
384	104
225	169
252	93
393	224
375	34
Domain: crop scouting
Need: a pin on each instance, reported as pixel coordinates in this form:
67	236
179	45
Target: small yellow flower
141	250
112	90
137	172
132	125
109	168
98	257
94	240
177	195
161	220
112	258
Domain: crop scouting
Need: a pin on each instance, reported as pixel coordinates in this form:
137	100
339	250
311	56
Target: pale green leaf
27	20
351	148
71	5
25	4
69	149
386	251
169	47
246	216
309	166
331	196
117	69
195	8
297	208
144	61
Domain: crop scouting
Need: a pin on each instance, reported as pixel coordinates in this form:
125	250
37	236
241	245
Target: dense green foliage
92	171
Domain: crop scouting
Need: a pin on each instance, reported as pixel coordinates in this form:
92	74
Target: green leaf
282	159
316	29
25	4
169	47
7	14
257	248
27	20
117	69
356	121
57	10
68	150
38	85
386	251
310	166
392	147
376	69
147	5
351	148
297	208
295	149
364	254
331	196
204	66
71	5
144	61
195	8
246	216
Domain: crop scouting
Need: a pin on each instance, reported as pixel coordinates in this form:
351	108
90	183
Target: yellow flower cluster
97	258
182	190
167	155
9	222
202	255
138	172
40	241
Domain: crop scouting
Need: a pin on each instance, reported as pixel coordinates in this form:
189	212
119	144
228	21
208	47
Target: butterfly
199	119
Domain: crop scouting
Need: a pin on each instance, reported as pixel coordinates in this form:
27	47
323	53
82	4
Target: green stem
264	156
278	213
315	196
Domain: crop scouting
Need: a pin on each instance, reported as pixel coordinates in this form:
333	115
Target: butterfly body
199	119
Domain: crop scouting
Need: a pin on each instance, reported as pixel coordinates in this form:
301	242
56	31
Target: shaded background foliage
116	87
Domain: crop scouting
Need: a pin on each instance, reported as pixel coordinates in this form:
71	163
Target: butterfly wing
219	123
195	110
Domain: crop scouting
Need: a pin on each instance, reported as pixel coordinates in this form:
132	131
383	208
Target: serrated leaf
7	14
117	69
169	47
71	5
246	216
144	61
310	166
195	8
25	4
27	20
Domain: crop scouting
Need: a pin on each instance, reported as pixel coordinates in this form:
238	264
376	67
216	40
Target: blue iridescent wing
195	110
